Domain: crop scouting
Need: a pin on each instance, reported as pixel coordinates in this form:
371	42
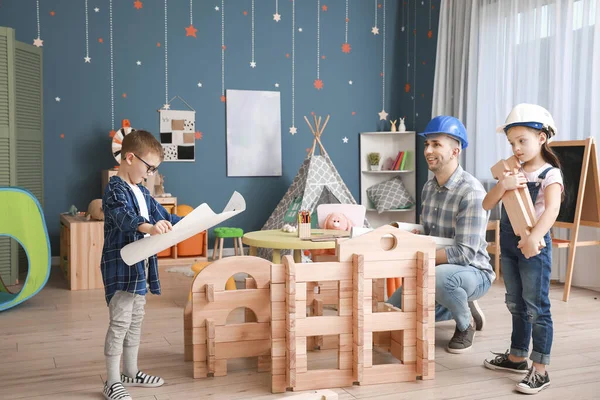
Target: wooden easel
581	205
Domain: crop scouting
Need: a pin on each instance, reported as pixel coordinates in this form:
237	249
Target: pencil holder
304	230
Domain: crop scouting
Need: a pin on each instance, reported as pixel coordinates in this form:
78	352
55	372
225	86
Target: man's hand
162	226
530	246
416	232
512	182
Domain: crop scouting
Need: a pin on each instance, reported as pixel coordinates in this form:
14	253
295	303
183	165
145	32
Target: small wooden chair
222	233
494	247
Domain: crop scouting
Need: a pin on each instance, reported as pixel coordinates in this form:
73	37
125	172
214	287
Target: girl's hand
512	182
416	231
162	226
530	246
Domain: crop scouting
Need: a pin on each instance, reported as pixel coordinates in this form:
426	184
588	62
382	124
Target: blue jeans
455	286
527	284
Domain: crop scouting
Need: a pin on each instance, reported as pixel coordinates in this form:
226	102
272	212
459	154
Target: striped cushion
116	391
143	380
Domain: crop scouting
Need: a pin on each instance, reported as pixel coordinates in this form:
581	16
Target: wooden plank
325	271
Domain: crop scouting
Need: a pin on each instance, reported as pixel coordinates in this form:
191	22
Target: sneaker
142	380
116	391
462	341
534	382
477	315
502	363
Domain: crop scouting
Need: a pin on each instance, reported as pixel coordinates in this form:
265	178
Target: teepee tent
317	182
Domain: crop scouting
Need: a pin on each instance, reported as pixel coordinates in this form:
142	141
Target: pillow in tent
390	195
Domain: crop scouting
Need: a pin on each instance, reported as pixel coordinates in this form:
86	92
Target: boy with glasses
130	214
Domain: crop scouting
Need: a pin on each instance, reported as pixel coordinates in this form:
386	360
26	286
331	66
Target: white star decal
139	62
252	64
277	17
38	42
350	82
166	107
345	139
375	30
96	9
199	84
57	99
216	8
277	85
383	115
293	130
299	29
87	59
402	29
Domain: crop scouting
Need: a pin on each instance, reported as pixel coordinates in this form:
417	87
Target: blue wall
73	163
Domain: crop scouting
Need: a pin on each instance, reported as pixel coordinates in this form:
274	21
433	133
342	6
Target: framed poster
177	138
253	133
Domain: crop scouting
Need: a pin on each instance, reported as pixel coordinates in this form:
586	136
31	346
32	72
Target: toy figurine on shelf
402	127
393	127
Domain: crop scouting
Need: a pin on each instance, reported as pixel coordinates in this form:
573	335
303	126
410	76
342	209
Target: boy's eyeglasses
151	169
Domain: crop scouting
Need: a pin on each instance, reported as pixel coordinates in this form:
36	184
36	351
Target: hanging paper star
318	84
112	133
350	82
407	87
245	12
157	44
96	9
277	17
124	95
137	4
100	40
299	29
191	31
57	99
252	64
62	135
198	135
345	139
346	48
402	29
324	7
216	8
167	106
199	84
383	115
353	112
277	85
293	130
138	62
223	99
87	59
430	34
38	42
52	13
375	30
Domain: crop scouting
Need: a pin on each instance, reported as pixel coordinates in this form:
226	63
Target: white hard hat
530	115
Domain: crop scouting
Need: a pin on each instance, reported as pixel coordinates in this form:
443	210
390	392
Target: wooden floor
51	347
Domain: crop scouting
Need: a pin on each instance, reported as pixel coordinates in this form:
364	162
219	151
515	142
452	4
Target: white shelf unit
387	144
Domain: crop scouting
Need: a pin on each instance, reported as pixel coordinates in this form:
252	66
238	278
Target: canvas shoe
477	315
534	382
116	391
502	363
142	380
462	341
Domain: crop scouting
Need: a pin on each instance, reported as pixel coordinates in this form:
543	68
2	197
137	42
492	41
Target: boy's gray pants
126	311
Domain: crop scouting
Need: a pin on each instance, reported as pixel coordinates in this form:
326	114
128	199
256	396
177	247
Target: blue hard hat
449	126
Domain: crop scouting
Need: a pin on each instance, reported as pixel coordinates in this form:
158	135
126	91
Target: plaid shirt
121	220
455	210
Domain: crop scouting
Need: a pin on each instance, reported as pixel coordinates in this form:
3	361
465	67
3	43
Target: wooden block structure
209	342
362	263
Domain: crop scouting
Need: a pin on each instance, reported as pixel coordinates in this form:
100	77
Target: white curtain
494	54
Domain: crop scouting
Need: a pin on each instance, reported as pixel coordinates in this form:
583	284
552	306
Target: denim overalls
527	284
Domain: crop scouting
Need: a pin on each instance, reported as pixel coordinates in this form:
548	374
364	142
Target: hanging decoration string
414	86
87	58
222	50
253	62
166	106
112	68
293	128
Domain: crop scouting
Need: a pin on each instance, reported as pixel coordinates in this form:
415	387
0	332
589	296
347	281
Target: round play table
278	240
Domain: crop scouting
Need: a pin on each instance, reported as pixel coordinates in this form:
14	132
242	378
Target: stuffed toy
95	210
336	221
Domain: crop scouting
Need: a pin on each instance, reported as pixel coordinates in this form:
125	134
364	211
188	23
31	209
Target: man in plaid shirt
452	208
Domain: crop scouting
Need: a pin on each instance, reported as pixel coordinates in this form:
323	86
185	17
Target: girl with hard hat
526	267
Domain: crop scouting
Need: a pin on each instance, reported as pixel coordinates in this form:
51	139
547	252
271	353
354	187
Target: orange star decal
318	84
287	55
124	95
430	34
191	31
407	87
112	133
198	135
100	40
223	99
157	44
353	112
346	48
62	135
245	12
137	4
223	47
323	57
52	13
324	7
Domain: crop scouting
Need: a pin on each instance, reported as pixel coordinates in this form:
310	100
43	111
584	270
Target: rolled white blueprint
201	219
